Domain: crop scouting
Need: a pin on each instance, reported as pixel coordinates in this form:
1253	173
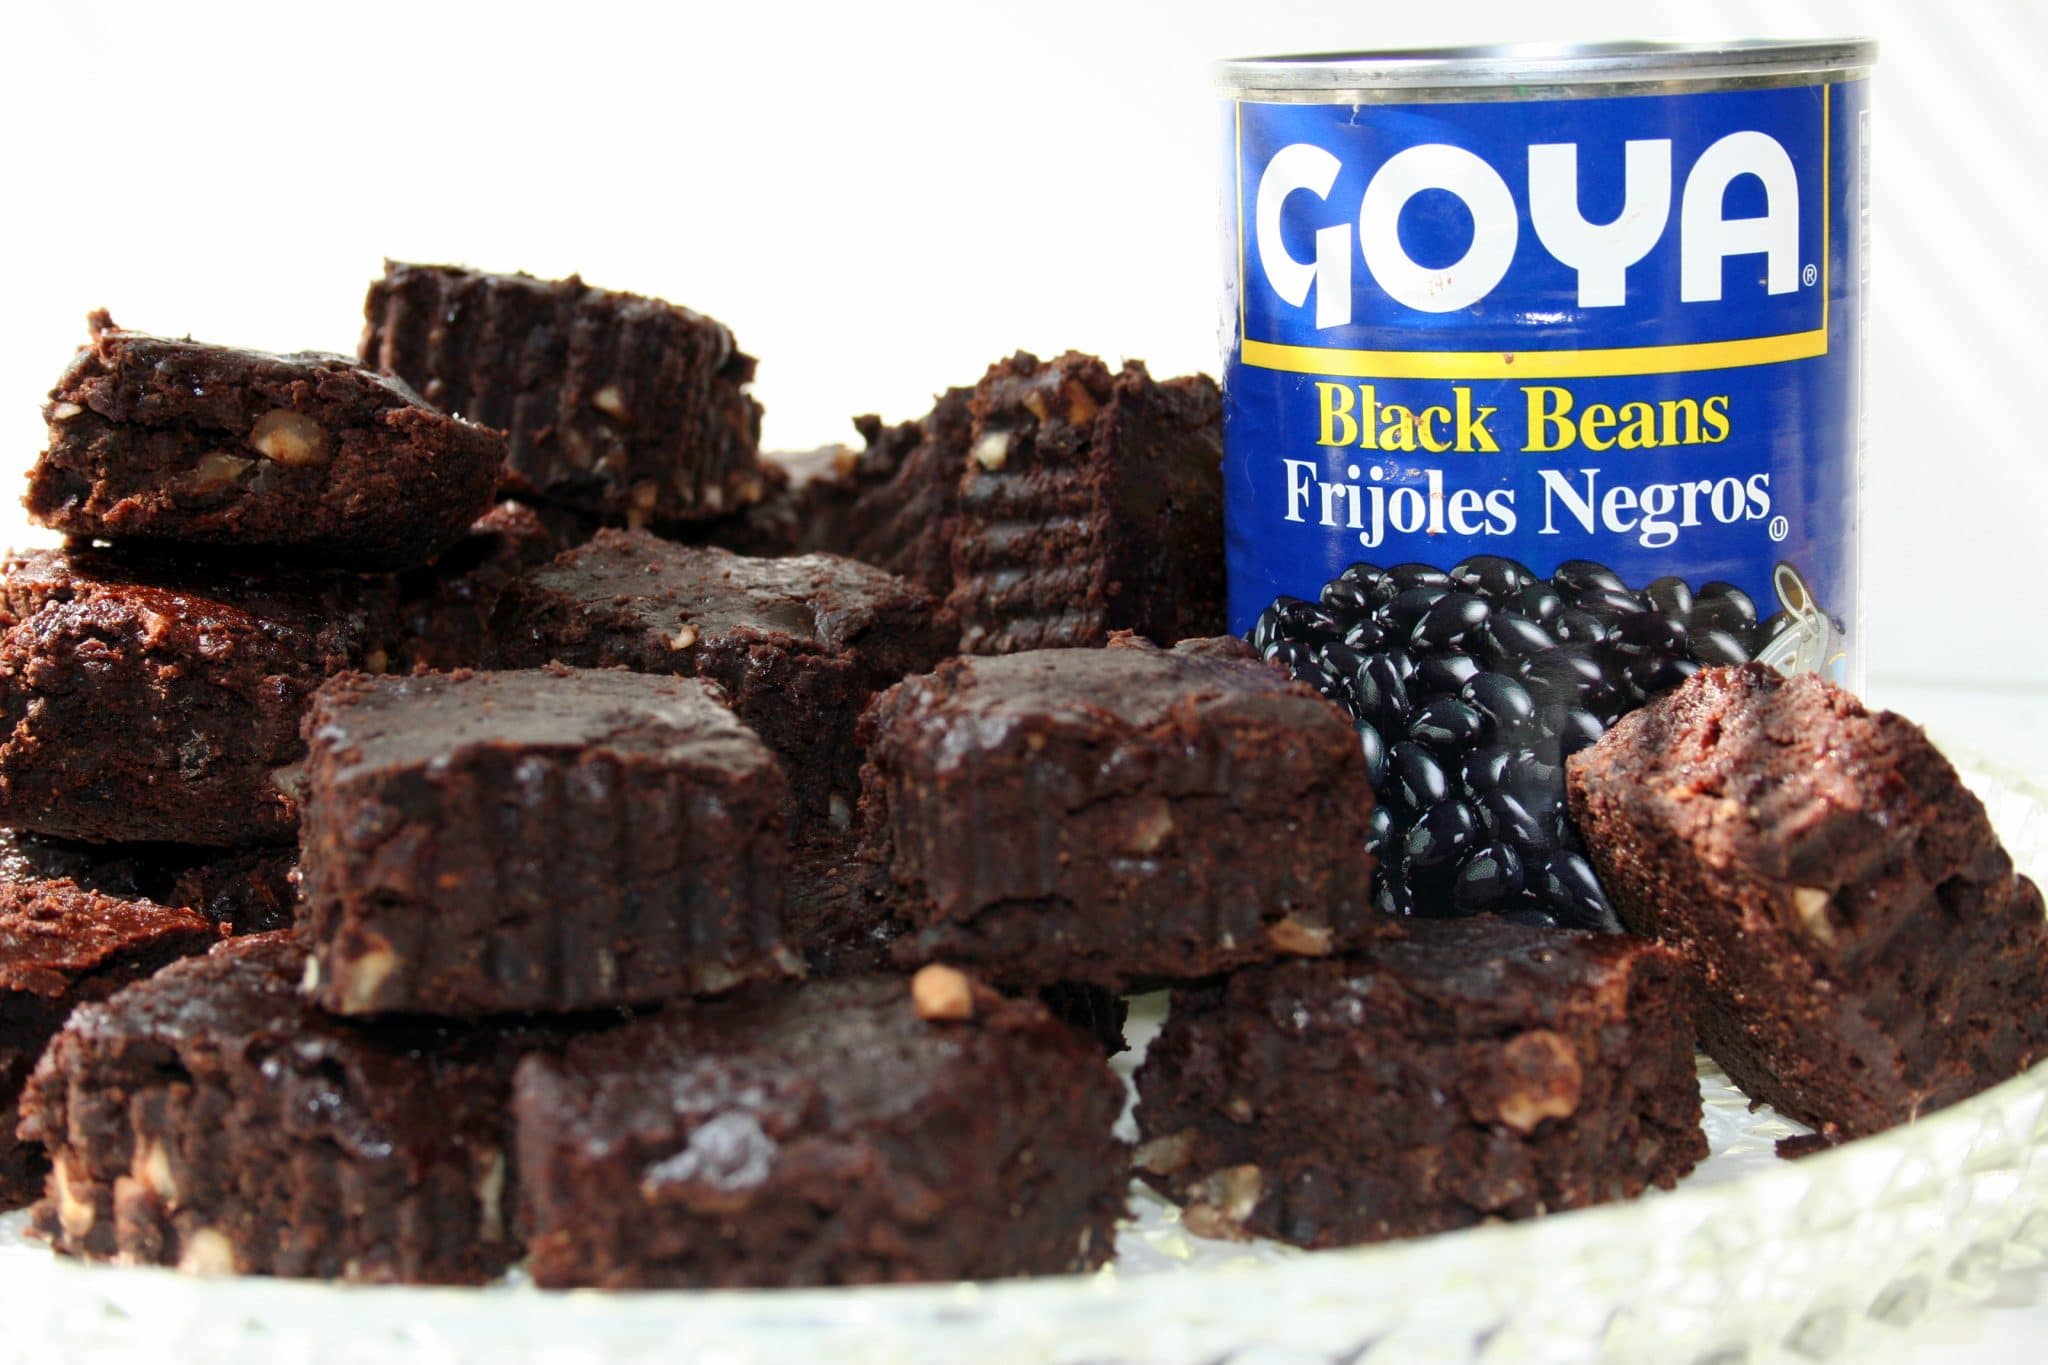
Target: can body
1557	321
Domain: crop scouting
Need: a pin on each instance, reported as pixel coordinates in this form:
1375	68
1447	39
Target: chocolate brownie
1091	502
244	891
157	700
212	1119
623	407
444	609
1466	1070
799	645
862	1130
554	839
894	503
61	946
1864	949
1116	816
310	456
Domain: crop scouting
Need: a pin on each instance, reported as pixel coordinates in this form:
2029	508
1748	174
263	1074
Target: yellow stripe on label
1698	355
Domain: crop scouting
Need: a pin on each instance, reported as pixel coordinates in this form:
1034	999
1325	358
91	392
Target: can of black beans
1543	388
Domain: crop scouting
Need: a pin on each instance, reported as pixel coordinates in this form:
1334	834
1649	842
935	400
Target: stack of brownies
702	870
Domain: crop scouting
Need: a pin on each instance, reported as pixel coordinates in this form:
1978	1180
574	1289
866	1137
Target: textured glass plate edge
1804	1260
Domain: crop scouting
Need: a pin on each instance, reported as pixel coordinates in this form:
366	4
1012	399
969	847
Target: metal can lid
1524	68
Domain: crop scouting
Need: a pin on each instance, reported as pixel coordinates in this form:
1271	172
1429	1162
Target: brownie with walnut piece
1090	501
158	700
310	457
1116	816
1865	951
61	946
1464	1070
213	1119
621	407
799	644
551	839
853	1131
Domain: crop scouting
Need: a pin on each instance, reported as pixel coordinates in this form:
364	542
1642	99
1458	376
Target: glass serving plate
1751	1258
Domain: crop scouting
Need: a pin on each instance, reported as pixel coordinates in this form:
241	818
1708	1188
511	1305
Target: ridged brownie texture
1090	501
1465	1071
213	1120
623	407
61	946
481	843
158	701
310	457
798	644
1115	816
858	1131
1864	950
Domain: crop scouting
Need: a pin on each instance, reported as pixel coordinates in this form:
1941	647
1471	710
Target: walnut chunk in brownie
622	407
158	700
1116	816
212	1119
61	946
1865	951
311	457
1465	1070
799	644
854	1131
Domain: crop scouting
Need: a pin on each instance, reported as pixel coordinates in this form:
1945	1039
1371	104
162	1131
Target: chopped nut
290	438
1035	402
683	638
376	661
1081	404
1238	1109
64	411
610	401
75	1215
207	1252
1222	1202
309	980
1812	904
714	498
1291	935
359	977
940	992
838	812
645	494
1545	1080
1151	825
714	976
489	1184
152	1166
214	471
992	449
1165	1155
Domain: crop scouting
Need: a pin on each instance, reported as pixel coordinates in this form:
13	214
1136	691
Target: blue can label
1623	330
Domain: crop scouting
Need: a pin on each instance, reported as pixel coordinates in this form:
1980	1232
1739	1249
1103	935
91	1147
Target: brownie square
61	946
444	609
212	1119
857	1131
1465	1070
1116	816
622	407
310	456
1090	502
798	644
243	890
479	843
1865	952
157	700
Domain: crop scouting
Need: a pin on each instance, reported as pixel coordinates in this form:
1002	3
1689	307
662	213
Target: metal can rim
1517	67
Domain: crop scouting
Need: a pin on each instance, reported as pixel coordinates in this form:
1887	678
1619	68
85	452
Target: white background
882	199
